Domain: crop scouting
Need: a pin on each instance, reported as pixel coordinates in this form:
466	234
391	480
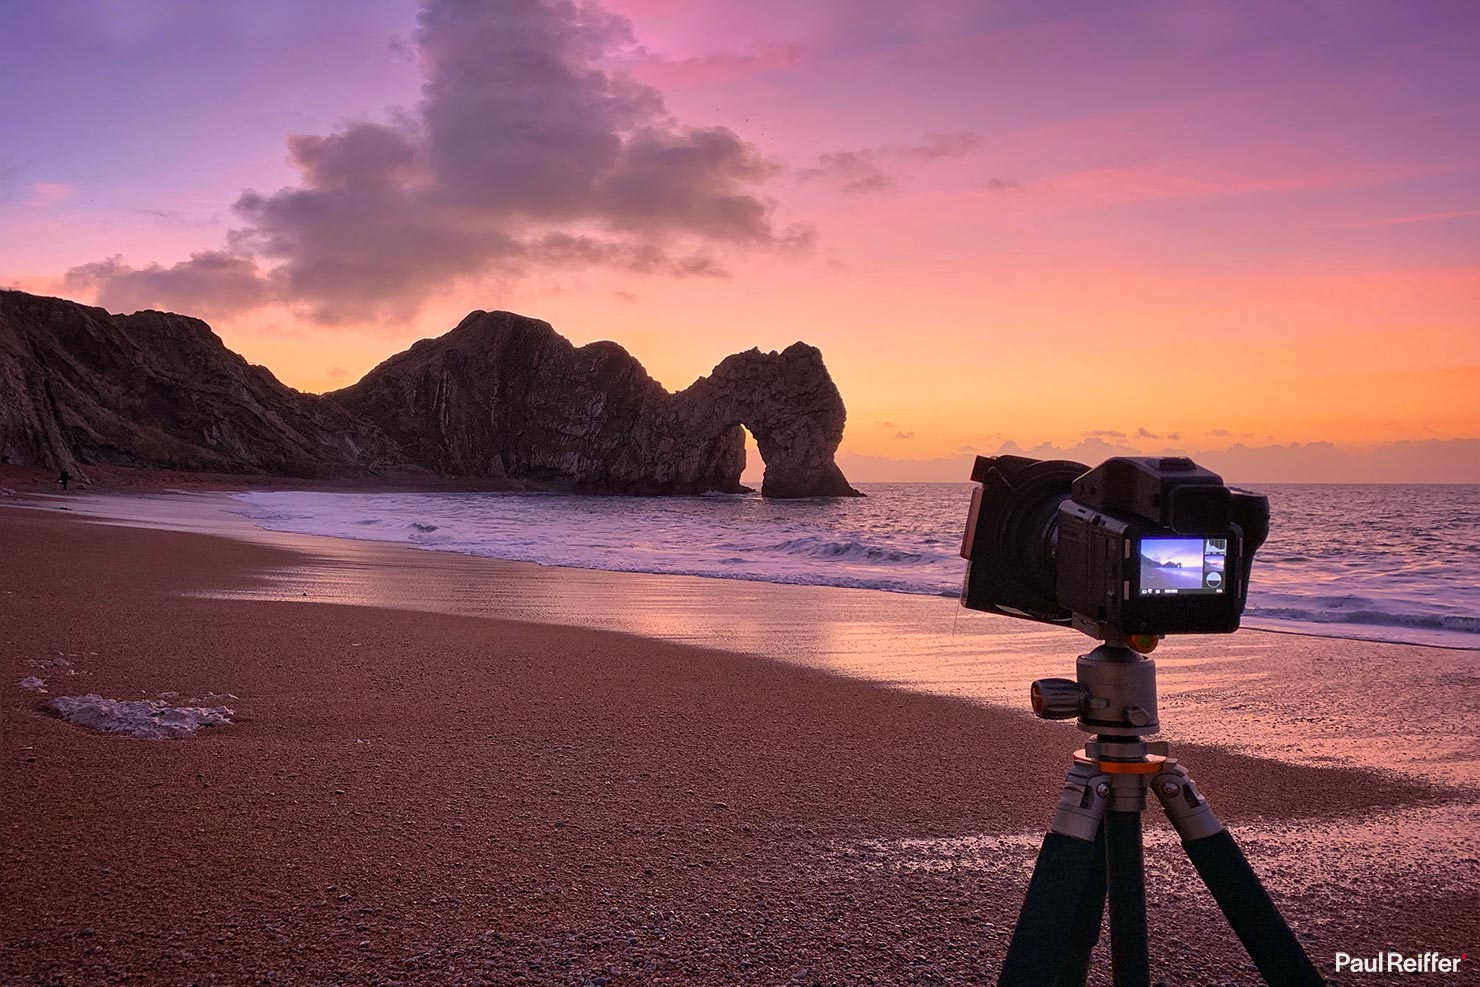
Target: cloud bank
526	150
1428	461
210	284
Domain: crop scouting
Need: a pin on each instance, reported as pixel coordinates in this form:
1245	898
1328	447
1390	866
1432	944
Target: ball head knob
1058	699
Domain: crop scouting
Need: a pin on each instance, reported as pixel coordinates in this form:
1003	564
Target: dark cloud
852	171
904	435
525	151
1106	433
1142	433
1002	185
564	249
868	169
211	283
886	424
363	155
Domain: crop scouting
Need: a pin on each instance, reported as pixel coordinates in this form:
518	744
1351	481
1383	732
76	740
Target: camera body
1137	545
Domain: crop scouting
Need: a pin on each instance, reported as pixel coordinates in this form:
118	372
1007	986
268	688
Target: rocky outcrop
790	404
506	396
501	398
79	386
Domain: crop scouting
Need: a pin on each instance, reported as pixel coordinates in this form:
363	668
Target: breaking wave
824	548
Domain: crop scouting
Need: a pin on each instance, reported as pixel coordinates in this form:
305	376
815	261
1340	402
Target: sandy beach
447	770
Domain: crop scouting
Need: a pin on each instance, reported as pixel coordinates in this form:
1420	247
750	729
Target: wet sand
1301	699
457	797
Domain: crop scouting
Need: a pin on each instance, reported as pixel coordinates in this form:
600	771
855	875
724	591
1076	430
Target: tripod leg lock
1188	811
1082	803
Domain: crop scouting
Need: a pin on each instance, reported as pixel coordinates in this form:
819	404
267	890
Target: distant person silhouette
64	479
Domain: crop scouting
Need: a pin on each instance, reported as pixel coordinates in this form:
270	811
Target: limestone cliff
501	398
506	396
80	386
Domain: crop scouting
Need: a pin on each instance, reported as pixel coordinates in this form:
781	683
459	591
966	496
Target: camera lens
1012	546
1033	533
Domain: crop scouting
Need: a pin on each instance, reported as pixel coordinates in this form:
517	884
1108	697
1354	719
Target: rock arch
789	403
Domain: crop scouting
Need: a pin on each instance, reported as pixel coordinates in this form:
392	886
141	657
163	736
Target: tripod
1093	848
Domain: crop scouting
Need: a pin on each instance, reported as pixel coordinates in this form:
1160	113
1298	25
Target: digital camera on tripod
1127	552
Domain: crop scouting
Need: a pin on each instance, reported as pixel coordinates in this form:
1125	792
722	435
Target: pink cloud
1428	217
721	66
44	194
1411	461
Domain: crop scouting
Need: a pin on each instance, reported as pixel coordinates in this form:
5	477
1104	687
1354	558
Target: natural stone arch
790	404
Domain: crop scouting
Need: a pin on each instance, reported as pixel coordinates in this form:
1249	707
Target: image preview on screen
1180	566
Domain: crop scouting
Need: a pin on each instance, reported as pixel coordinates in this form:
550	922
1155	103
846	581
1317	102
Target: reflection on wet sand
1302	699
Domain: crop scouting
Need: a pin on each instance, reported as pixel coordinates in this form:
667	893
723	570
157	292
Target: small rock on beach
146	719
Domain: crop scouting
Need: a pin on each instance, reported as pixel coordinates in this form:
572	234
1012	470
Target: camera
1135	546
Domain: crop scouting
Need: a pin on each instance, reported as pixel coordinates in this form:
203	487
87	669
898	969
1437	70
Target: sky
1247	232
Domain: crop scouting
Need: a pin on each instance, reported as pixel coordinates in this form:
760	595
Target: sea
1370	561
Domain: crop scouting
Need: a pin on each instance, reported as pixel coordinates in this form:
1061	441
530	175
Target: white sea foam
146	719
1393	563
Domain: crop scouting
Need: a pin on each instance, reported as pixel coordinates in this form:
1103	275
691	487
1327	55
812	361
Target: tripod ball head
1113	695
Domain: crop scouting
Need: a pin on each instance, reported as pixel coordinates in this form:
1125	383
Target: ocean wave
853	551
1380	618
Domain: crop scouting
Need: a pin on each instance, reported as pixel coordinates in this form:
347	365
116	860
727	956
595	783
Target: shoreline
426	798
913	642
144	484
1428	631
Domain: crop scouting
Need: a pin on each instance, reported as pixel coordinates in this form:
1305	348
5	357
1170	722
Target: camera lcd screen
1183	566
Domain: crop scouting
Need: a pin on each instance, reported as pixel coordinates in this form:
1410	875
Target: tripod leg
1074	970
1276	953
1060	919
1129	953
